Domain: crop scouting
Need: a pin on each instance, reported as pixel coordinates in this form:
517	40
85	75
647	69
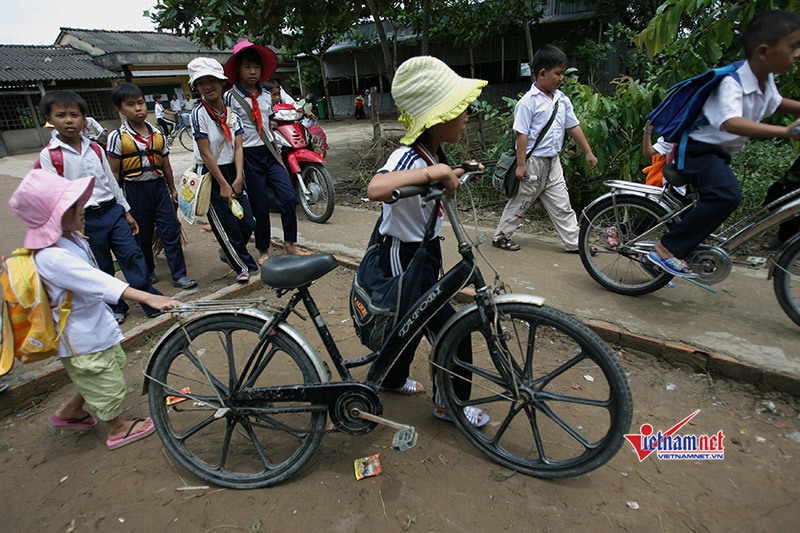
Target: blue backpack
681	111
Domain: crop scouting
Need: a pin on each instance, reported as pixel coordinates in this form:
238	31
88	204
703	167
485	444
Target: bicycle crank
403	440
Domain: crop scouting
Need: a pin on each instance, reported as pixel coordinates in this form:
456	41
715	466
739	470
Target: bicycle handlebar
432	191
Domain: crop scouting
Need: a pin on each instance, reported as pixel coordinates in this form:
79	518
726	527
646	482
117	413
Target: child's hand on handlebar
794	130
448	177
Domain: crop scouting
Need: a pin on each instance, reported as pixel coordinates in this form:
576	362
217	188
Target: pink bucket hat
269	61
41	199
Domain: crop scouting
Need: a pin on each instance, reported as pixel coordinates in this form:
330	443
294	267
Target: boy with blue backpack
731	113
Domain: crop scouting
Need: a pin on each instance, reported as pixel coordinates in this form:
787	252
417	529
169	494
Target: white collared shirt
532	113
175	105
158	109
731	99
84	164
205	127
251	137
69	265
114	148
407	218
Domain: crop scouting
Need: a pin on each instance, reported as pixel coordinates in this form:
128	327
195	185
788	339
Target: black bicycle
241	399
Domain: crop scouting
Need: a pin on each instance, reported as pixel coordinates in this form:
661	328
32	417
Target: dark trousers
232	233
262	170
708	167
108	231
166	125
396	377
152	207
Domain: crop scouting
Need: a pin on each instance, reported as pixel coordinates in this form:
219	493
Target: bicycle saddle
290	271
675	177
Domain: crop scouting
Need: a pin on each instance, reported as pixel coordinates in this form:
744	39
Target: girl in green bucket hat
432	100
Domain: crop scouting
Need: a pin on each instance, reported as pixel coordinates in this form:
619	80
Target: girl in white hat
433	101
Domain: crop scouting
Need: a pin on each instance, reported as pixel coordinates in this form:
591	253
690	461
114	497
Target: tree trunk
426	23
325	89
529	43
387	56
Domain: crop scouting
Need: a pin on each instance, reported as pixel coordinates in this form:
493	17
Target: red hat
269	61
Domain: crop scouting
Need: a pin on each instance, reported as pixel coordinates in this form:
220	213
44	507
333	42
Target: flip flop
409	388
477	417
80	424
120	318
244	277
262	259
129	437
672	265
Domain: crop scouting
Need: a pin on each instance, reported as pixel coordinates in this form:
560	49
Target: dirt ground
66	481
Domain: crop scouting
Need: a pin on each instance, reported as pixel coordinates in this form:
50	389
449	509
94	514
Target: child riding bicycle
733	111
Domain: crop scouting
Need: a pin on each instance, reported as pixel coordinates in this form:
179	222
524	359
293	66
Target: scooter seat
291	271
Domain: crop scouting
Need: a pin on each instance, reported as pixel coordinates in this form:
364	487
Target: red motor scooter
312	182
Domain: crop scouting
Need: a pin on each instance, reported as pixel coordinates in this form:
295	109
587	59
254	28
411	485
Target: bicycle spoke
215	383
257	445
186	434
298	434
552	396
544	408
226	443
512	412
227	345
537	436
543	381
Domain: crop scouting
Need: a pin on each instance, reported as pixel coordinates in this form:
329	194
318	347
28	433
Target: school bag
681	111
28	330
57	157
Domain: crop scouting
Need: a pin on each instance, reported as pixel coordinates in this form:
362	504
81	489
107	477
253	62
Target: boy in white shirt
734	111
538	145
109	223
89	349
164	123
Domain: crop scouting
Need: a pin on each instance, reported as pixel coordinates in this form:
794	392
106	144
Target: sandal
411	387
120	318
506	244
612	237
129	437
244	277
672	265
185	282
476	417
56	422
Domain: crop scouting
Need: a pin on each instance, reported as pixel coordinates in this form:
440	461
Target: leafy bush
757	166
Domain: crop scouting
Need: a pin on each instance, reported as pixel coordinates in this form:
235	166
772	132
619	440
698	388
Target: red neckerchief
256	111
222	120
148	143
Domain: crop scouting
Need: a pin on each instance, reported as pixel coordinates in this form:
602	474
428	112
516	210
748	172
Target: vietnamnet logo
669	445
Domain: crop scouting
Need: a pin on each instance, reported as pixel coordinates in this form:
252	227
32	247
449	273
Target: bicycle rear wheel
186	139
247	446
559	400
606	229
787	282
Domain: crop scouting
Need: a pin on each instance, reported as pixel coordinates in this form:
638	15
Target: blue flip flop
672	265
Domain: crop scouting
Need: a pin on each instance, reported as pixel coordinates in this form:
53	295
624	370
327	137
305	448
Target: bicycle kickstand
403	440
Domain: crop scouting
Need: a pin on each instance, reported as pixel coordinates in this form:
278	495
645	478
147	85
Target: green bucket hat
427	92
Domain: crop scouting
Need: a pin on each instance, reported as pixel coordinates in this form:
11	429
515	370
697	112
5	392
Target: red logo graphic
670	445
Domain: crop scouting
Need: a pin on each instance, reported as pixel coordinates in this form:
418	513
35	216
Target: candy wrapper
172	400
368	466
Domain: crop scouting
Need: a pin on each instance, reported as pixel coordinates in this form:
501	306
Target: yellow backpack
28	331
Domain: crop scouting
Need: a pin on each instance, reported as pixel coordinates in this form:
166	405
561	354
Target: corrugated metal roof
44	63
115	41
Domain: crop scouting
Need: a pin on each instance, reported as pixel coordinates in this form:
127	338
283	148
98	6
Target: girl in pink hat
90	350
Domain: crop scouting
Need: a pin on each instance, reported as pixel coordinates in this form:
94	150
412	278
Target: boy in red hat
250	66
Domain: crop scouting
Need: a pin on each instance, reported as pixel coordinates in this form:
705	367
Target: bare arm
580	139
750	128
115	164
522	156
647	142
383	183
789	107
204	147
238	161
170	177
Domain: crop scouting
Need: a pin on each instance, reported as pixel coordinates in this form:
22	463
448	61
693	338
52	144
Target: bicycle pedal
405	439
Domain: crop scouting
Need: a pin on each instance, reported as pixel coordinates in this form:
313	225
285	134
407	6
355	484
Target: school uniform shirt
114	148
159	111
83	164
92	128
175	105
662	147
532	113
205	127
251	137
407	218
69	265
731	99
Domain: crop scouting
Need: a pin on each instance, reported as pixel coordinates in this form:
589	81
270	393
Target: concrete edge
21	395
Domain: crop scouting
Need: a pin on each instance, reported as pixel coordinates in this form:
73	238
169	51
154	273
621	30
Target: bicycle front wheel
559	400
787	282
606	230
229	443
186	139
